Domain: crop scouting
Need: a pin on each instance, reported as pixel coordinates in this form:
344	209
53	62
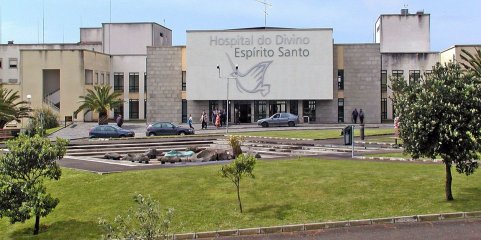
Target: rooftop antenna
110	20
266	4
43	22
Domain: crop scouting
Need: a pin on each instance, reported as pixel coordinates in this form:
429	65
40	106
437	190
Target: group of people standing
359	114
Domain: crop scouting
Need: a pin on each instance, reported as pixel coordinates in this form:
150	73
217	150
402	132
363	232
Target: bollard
362	131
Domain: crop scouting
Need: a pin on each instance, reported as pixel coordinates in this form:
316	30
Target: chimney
404	11
10	42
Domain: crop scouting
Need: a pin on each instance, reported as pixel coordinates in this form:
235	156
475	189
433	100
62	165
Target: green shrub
42	119
235	141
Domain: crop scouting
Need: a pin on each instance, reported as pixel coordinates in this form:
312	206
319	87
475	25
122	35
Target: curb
400	159
328	225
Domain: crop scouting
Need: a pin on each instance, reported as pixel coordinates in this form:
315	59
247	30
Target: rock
112	155
141	158
151	153
257	155
224	155
206	155
236	151
128	157
165	159
194	149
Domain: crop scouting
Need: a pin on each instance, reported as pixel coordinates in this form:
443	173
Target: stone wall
164	76
362	81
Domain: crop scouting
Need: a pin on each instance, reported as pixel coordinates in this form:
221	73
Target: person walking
354	115
119	120
190	121
203	120
217	120
361	116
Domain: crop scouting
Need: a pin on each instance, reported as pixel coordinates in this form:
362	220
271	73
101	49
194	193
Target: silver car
279	119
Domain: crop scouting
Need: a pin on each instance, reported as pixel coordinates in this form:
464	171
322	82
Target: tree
145	222
439	116
100	100
11	109
23	169
242	165
473	61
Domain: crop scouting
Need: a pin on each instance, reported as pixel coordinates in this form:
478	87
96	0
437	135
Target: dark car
110	131
167	128
279	119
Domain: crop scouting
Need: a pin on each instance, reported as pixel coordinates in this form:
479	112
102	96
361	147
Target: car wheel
151	134
182	133
265	124
291	124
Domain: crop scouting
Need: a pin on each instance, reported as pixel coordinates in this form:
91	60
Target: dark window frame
134	114
397	73
184	81
414	76
119	78
184	111
340	110
340	79
309	109
145	82
134	82
13	66
383	108
383	80
260	109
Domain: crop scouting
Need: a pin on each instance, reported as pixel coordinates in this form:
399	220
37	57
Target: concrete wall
454	53
72	65
90	35
127	64
403	33
362	81
406	62
164	78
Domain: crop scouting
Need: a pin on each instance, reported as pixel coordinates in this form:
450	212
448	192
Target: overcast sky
452	22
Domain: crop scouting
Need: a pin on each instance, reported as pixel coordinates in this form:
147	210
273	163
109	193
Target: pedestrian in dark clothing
354	115
203	120
361	116
119	120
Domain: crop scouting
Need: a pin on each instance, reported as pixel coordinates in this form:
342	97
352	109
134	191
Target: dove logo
251	81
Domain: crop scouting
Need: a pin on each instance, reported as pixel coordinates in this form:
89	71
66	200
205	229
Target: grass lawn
317	134
52	130
317	190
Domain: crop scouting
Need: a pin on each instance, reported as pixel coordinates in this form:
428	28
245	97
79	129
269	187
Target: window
277	107
383	80
213	105
118	110
107	80
184	110
96	78
12	62
88	77
309	109
383	108
145	82
414	75
119	81
145	108
428	73
134	108
294	107
102	79
12	80
184	83
1	63
340	110
397	73
340	79
134	82
260	110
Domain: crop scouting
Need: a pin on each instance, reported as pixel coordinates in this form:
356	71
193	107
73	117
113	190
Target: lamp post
228	78
29	100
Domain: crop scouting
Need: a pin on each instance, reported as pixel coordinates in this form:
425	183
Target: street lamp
228	78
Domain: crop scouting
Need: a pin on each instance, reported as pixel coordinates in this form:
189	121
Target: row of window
414	75
133	109
12	63
100	78
133	82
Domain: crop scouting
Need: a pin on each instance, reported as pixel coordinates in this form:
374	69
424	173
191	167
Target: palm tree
10	108
473	61
100	100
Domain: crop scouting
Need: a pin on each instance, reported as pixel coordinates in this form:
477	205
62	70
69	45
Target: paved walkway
80	130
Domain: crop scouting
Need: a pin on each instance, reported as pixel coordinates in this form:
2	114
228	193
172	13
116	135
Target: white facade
403	33
262	57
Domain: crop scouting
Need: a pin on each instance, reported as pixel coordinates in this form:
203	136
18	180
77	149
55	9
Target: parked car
110	131
167	128
279	119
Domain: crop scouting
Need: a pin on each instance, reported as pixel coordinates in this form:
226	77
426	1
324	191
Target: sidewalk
80	130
